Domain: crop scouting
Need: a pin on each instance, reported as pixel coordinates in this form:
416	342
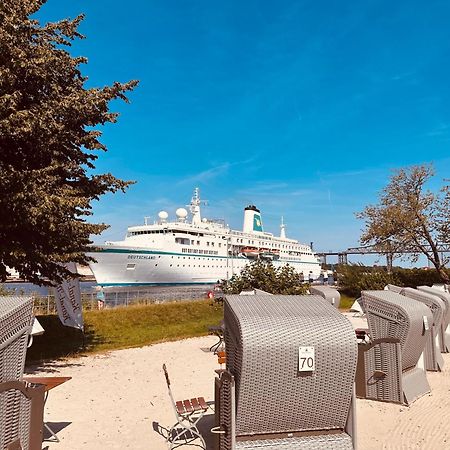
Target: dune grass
131	326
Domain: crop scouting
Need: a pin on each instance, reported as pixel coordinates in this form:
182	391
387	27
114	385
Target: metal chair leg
52	433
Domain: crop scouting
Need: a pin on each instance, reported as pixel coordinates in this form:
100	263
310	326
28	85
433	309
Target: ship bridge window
135	233
183	241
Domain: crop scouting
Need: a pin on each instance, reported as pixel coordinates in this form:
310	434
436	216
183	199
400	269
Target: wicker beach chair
291	363
21	405
390	367
328	293
432	352
393	288
444	331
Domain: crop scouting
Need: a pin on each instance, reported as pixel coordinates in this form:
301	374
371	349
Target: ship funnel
252	220
282	229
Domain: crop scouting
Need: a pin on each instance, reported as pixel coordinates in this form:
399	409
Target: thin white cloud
205	175
441	130
403	75
211	173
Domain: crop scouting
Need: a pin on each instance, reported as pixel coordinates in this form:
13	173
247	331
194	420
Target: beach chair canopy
16	319
444	296
21	406
330	294
393	288
433	302
266	339
391	315
444	332
432	353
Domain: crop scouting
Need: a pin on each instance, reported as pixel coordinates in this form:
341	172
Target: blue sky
300	107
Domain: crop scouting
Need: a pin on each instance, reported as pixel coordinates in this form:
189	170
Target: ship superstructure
195	250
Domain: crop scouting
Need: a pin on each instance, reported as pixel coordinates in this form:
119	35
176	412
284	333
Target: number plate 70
306	359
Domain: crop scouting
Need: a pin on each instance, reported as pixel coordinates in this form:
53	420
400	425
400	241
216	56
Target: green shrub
354	278
263	275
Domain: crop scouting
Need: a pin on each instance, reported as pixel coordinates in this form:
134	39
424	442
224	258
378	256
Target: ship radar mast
282	229
194	207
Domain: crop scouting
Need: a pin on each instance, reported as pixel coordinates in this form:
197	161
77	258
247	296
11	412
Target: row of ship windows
203	252
260	244
185	241
198	265
193	257
133	266
136	233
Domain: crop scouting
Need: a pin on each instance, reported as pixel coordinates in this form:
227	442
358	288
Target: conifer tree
49	137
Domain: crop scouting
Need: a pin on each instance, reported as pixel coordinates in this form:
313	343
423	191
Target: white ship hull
200	252
113	267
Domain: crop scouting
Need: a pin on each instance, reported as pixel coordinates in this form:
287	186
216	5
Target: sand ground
119	400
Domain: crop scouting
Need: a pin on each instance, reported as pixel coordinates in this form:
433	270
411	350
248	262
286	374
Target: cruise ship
196	250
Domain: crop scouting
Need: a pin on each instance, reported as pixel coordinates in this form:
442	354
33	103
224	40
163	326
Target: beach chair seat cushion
341	441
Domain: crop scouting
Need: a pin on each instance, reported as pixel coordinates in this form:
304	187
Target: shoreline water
118	295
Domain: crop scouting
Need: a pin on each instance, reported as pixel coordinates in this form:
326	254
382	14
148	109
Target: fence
120	297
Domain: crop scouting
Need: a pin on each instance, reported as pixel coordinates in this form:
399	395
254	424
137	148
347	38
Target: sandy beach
119	400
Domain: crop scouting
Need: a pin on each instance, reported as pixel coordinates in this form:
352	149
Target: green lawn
132	326
346	302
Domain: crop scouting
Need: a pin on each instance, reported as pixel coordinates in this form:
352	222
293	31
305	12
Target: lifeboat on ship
250	252
270	254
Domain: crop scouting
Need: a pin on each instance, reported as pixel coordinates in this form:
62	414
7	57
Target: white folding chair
188	413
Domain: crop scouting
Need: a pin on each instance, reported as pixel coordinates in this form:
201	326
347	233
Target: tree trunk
443	275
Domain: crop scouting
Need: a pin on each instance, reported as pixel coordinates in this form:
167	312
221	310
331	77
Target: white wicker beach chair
389	366
273	395
432	352
21	405
393	288
444	331
330	294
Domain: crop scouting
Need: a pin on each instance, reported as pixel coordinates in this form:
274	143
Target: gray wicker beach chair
291	363
328	293
390	367
21	405
444	332
432	352
254	292
393	288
